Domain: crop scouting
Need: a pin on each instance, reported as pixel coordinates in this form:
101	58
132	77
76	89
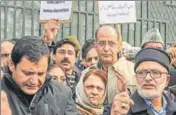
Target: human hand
51	28
121	104
5	108
121	81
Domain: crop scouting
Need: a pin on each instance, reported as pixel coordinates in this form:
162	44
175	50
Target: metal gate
19	18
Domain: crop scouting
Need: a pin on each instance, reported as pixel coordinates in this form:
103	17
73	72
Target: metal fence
19	18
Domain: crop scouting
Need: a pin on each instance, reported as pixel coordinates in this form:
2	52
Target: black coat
172	73
171	92
141	108
52	99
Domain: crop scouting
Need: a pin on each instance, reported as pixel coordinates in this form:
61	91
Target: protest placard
115	12
60	10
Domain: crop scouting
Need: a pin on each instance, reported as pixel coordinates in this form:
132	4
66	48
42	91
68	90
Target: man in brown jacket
119	70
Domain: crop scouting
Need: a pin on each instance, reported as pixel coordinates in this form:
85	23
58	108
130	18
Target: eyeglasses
63	52
153	73
102	44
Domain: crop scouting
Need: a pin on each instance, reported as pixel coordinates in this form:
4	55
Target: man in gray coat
29	89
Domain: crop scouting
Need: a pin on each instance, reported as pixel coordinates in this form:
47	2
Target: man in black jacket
29	90
151	68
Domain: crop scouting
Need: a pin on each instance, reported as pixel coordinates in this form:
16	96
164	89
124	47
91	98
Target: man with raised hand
151	68
119	70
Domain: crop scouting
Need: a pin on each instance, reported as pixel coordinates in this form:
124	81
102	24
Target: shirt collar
152	107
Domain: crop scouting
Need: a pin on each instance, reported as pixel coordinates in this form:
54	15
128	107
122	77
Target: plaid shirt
72	80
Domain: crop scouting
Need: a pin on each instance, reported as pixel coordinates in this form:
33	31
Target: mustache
65	60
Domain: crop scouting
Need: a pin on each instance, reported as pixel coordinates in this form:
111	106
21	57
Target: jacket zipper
46	108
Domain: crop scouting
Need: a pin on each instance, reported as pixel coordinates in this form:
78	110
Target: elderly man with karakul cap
152	39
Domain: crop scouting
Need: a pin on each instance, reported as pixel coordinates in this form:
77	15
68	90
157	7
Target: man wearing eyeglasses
151	68
119	70
153	39
65	55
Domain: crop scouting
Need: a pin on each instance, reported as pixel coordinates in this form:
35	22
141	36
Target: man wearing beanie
151	68
153	39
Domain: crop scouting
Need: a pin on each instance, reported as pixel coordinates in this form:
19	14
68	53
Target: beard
150	95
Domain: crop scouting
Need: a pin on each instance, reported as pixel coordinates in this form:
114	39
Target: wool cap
152	35
75	41
152	54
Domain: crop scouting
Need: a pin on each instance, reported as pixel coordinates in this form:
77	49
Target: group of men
28	89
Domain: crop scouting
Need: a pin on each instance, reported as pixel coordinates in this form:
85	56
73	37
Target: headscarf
83	100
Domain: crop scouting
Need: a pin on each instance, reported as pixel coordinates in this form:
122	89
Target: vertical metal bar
160	26
121	27
40	25
14	20
141	21
128	33
155	4
135	34
165	35
70	31
70	27
78	26
70	24
154	25
86	23
62	34
40	30
94	14
86	27
23	23
5	19
148	14
32	19
86	5
148	9
147	25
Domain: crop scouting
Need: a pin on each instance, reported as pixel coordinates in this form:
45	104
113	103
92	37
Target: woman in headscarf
91	92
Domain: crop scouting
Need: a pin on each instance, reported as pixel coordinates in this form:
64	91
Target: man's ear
78	54
53	56
167	80
11	66
83	62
